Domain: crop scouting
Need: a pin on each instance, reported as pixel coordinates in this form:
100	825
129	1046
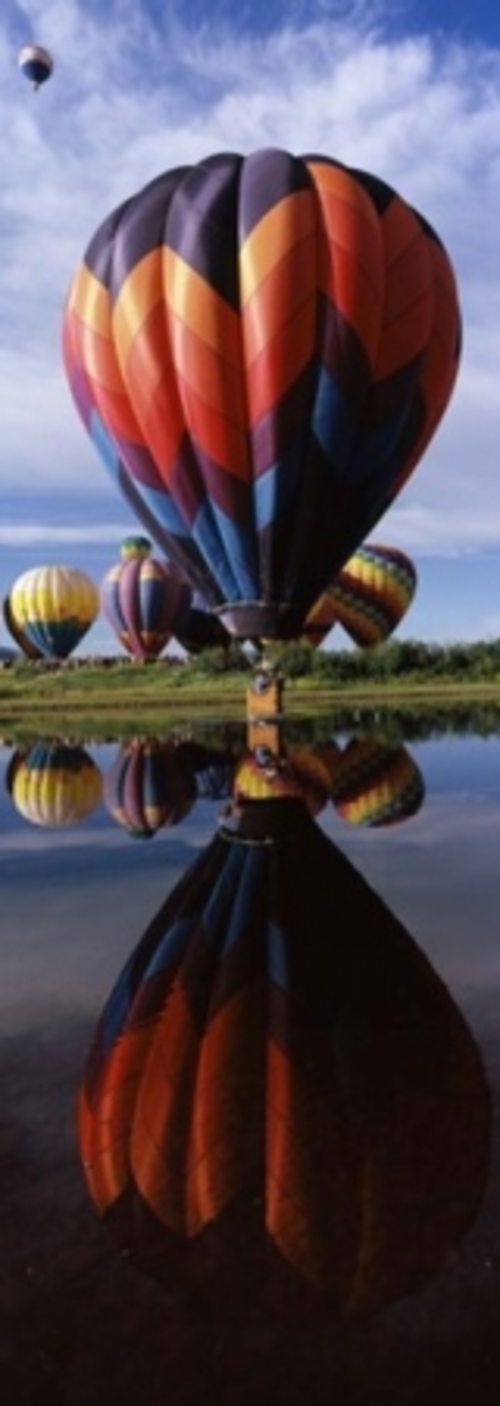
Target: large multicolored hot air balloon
281	1095
261	349
143	599
54	784
53	607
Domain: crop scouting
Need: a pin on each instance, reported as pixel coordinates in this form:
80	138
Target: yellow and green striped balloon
54	606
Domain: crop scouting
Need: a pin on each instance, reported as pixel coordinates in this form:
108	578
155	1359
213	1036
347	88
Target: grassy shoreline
93	699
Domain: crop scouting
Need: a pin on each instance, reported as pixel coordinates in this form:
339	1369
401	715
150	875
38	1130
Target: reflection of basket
264	697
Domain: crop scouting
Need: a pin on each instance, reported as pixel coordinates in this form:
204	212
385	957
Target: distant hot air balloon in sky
143	599
54	606
36	63
261	349
280	1091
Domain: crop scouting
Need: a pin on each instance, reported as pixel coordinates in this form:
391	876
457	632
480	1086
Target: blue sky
407	88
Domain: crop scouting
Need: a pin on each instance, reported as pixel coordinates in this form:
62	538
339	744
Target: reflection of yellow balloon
303	772
55	785
54	607
375	784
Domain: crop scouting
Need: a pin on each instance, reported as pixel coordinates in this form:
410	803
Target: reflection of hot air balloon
36	63
280	1089
148	786
261	349
53	784
18	634
211	767
54	606
375	784
143	599
263	773
373	592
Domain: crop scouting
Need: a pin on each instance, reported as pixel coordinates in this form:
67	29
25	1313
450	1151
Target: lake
272	1175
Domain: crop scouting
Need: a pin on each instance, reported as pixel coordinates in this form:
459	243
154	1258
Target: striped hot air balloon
373	592
281	1095
144	600
261	348
53	607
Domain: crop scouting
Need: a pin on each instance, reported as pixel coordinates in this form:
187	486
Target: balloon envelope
54	606
143	600
36	63
261	349
373	592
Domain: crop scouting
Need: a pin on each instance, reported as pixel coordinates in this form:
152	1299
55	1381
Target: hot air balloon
143	599
21	639
148	786
373	592
280	1092
54	606
53	784
200	628
36	63
369	597
261	349
375	784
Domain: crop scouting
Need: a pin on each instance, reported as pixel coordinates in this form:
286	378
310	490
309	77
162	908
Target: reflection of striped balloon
147	787
277	1076
143	599
372	593
54	607
55	785
261	349
376	785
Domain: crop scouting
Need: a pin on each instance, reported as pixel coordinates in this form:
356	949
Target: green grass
99	700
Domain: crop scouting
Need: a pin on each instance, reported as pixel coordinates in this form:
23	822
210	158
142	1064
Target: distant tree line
404	660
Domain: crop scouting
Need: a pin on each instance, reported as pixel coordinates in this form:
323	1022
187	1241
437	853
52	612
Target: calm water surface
373	1115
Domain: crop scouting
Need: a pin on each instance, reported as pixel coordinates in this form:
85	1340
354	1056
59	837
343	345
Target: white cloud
128	99
28	534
